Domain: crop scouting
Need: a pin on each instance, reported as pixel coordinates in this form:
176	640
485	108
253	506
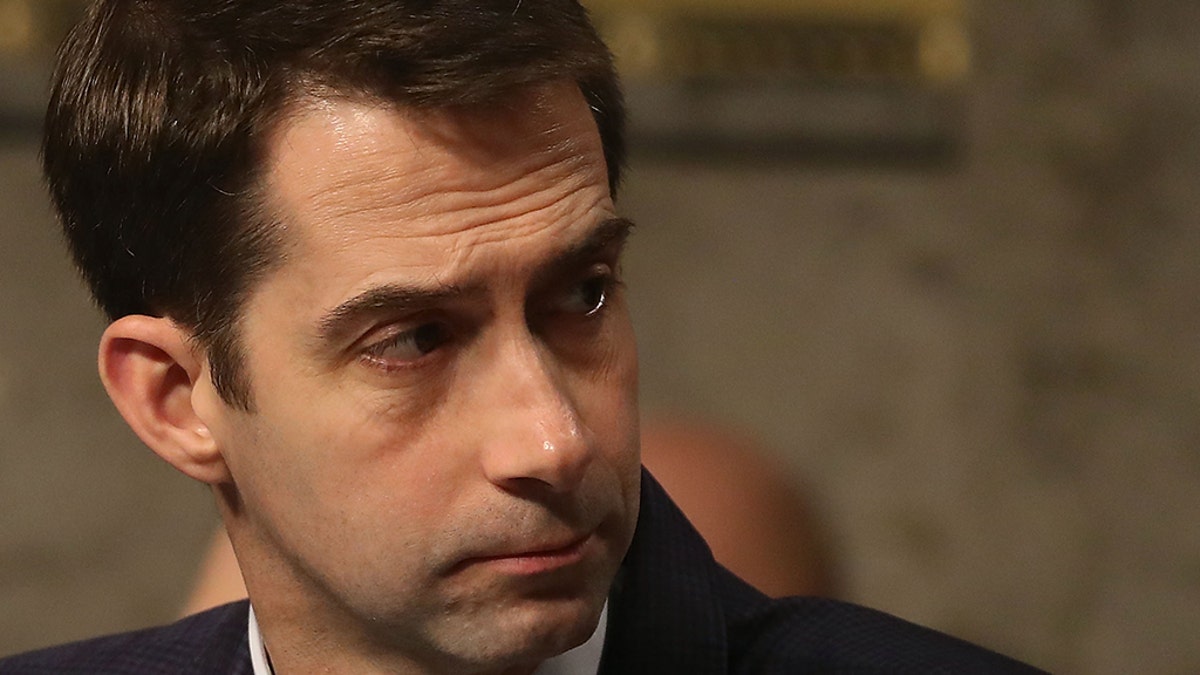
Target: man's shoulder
209	642
806	634
676	610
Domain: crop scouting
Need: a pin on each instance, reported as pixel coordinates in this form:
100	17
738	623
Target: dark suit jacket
673	610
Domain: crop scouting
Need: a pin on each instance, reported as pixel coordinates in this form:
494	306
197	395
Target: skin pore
441	471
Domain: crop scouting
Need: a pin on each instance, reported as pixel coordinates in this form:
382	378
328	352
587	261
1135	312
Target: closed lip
546	551
535	558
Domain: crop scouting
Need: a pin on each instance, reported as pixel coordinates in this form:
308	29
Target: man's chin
529	633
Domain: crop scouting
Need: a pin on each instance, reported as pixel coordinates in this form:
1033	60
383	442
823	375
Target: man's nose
537	440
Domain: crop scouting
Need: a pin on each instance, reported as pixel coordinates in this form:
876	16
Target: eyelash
609	284
374	353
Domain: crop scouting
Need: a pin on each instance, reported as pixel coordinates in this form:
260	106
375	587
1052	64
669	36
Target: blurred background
940	257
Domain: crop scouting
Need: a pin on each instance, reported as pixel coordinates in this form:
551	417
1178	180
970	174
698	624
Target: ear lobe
149	368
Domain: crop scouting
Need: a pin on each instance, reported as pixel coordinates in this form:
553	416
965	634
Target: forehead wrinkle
536	225
444	214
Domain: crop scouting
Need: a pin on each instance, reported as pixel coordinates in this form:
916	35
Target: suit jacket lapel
665	616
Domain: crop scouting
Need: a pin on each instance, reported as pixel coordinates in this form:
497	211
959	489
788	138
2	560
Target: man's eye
589	295
410	345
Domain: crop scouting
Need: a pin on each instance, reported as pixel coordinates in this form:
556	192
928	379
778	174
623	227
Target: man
362	264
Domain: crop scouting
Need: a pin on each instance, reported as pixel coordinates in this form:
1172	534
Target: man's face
443	457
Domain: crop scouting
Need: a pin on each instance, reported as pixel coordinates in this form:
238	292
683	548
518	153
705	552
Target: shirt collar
582	660
258	651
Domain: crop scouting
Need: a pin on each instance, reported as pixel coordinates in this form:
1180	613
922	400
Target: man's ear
150	367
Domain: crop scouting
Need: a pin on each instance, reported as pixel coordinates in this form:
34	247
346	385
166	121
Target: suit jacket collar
666	615
220	636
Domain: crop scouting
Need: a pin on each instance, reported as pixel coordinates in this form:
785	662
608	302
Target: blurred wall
986	373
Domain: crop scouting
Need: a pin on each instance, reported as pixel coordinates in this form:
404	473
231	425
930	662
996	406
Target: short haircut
161	111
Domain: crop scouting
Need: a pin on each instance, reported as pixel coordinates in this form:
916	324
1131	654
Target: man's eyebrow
609	234
339	321
336	324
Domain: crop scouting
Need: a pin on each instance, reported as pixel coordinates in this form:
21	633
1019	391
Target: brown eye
589	295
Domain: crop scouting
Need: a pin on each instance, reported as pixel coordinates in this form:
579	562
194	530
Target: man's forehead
415	153
365	192
498	128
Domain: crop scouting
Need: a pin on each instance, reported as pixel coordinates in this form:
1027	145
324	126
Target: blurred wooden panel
811	80
857	80
30	30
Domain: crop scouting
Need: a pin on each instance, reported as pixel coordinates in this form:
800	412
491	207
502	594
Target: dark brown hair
160	111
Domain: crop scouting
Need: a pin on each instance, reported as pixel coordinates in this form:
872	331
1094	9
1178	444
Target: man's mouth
538	559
